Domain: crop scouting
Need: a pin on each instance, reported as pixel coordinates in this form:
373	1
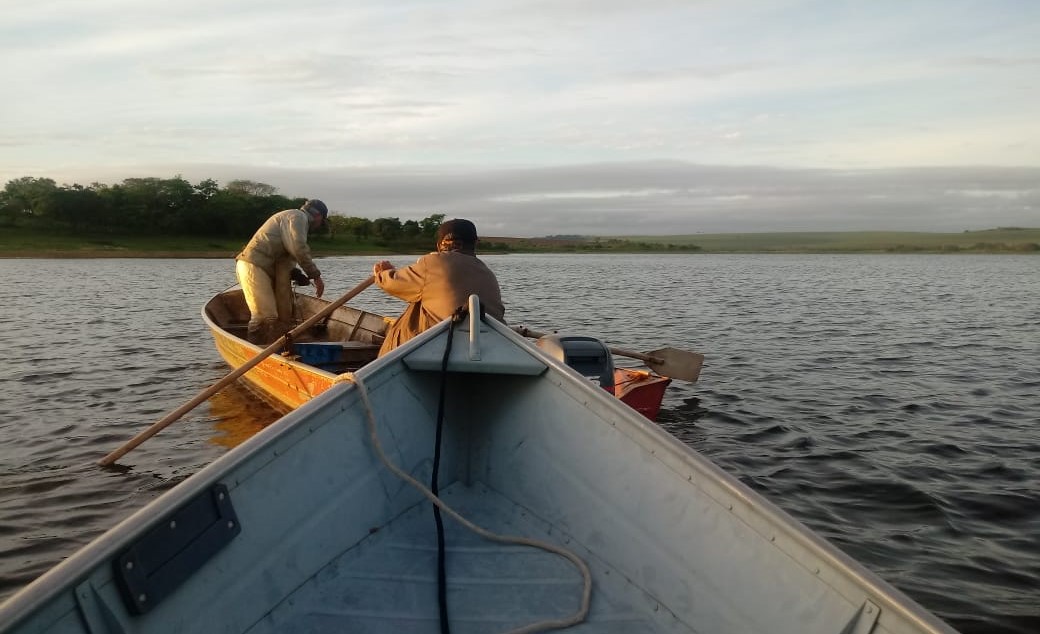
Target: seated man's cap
457	230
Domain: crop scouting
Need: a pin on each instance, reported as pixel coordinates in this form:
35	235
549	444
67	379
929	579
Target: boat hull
641	390
281	381
287	381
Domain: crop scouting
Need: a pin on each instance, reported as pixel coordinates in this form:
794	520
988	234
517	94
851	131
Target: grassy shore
25	243
1003	240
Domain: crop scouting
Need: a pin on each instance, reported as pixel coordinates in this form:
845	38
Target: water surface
892	403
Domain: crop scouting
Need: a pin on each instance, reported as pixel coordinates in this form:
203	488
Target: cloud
321	87
994	62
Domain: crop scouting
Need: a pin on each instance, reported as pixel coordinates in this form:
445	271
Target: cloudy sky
537	117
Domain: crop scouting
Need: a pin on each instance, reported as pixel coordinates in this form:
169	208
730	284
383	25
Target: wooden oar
670	362
221	384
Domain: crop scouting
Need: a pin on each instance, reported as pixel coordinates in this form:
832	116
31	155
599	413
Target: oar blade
675	363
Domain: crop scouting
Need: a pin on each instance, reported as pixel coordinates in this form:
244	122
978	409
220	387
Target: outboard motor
588	355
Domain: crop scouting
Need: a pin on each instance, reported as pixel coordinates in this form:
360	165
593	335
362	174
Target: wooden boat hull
306	527
288	381
282	381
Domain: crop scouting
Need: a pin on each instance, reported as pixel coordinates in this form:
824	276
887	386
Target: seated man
438	283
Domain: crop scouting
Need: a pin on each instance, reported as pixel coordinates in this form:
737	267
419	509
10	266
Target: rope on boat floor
551	624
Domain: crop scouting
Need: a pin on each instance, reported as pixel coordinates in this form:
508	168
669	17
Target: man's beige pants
269	299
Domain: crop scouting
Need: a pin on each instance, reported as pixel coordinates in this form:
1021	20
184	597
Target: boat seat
493	355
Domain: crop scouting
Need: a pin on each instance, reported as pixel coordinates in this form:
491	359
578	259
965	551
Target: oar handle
221	384
645	358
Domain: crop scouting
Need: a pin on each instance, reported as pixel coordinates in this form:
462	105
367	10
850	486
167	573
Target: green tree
386	229
173	206
207	189
156	205
199	216
251	188
236	214
410	229
429	225
358	228
28	195
9	211
81	208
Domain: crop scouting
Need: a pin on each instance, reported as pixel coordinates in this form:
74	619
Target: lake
891	403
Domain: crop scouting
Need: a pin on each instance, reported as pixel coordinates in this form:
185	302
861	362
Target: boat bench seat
491	355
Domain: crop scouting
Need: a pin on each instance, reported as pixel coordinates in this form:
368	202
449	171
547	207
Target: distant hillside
581	244
1000	240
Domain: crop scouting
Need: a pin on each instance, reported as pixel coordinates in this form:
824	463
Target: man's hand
319	286
382	265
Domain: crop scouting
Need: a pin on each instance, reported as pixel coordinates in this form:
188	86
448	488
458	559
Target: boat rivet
729	506
689	478
230	524
129	565
141	598
816	571
220	496
772	538
173	524
657	606
869	609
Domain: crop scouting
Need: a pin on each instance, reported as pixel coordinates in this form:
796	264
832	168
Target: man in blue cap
265	265
438	283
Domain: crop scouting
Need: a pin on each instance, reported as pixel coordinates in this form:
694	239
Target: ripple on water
889	402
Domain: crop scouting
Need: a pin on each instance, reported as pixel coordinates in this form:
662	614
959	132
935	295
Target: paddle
219	385
670	362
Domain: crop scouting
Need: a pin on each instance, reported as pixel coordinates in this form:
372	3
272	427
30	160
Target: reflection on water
238	414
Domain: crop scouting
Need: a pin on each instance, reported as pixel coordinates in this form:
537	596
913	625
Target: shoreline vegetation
31	243
173	218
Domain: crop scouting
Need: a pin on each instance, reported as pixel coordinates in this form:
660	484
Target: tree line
174	206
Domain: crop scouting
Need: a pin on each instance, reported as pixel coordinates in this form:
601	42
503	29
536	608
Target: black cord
442	575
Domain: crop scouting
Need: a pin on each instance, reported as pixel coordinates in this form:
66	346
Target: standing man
438	283
264	266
